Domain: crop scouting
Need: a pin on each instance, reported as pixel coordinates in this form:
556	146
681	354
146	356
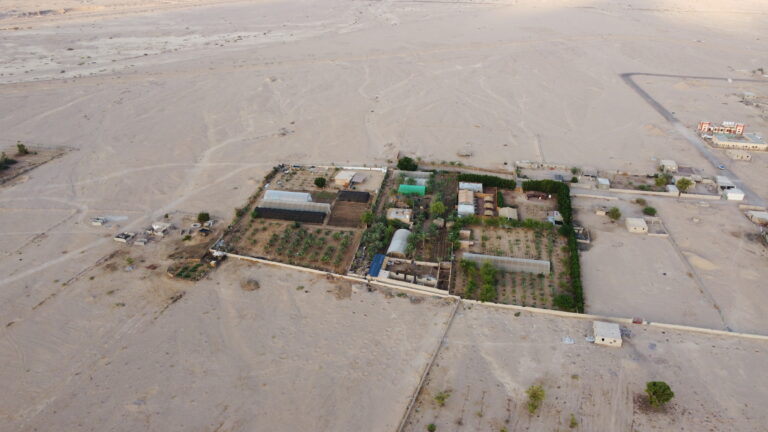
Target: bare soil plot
347	214
519	288
491	356
306	245
636	275
535	209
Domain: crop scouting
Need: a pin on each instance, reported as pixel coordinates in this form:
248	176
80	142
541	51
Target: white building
636	225
280	195
400	214
474	187
603	183
160	228
724	183
344	178
733	194
608	334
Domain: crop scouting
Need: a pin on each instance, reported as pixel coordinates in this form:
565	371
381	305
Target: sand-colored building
508	212
668	166
636	225
608	334
747	141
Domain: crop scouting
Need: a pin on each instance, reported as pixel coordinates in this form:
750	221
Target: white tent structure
399	243
279	195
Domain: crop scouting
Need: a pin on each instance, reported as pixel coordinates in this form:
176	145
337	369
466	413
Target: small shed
668	166
406	189
399	243
733	194
474	187
508	212
400	214
603	183
344	178
636	225
608	334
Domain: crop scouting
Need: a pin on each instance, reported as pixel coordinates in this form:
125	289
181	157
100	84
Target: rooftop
747	138
606	330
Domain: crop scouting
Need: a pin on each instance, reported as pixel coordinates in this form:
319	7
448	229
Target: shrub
431	427
574	179
441	397
203	217
659	393
663	180
367	217
650	211
564	302
641	201
535	397
407	164
684	184
614	213
320	182
573	423
21	149
499	199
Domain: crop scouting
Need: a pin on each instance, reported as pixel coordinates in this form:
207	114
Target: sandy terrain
491	356
326	357
179	107
690	278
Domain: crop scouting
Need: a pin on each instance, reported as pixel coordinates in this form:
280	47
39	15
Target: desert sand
182	106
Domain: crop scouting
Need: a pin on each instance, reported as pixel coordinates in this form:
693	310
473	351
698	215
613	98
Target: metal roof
296	205
378	261
399	242
412	189
280	195
475	187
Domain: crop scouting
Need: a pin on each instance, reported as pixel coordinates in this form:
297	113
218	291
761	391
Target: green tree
684	184
650	211
21	149
535	397
407	164
320	182
659	393
367	217
663	180
203	217
614	213
436	208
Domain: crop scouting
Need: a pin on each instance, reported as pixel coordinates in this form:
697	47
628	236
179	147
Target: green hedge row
488	180
563	193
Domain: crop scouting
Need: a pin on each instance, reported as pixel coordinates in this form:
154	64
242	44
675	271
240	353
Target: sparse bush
407	164
650	211
536	396
441	397
640	201
320	182
187	238
21	149
614	213
573	423
659	393
203	217
431	427
663	180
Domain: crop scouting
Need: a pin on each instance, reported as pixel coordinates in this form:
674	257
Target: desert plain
177	107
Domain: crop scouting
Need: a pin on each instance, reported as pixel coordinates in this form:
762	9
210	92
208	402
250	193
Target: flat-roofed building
668	166
605	333
636	225
747	141
344	178
400	214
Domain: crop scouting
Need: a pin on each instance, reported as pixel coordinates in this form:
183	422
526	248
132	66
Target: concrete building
474	187
724	183
399	243
733	194
636	225
160	228
758	217
344	178
668	166
466	202
508	212
400	214
510	264
603	183
727	127
608	334
280	195
739	155
747	141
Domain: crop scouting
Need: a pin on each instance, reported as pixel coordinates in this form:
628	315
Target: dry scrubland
183	109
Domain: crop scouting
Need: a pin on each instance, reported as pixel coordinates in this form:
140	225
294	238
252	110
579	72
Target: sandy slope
179	109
